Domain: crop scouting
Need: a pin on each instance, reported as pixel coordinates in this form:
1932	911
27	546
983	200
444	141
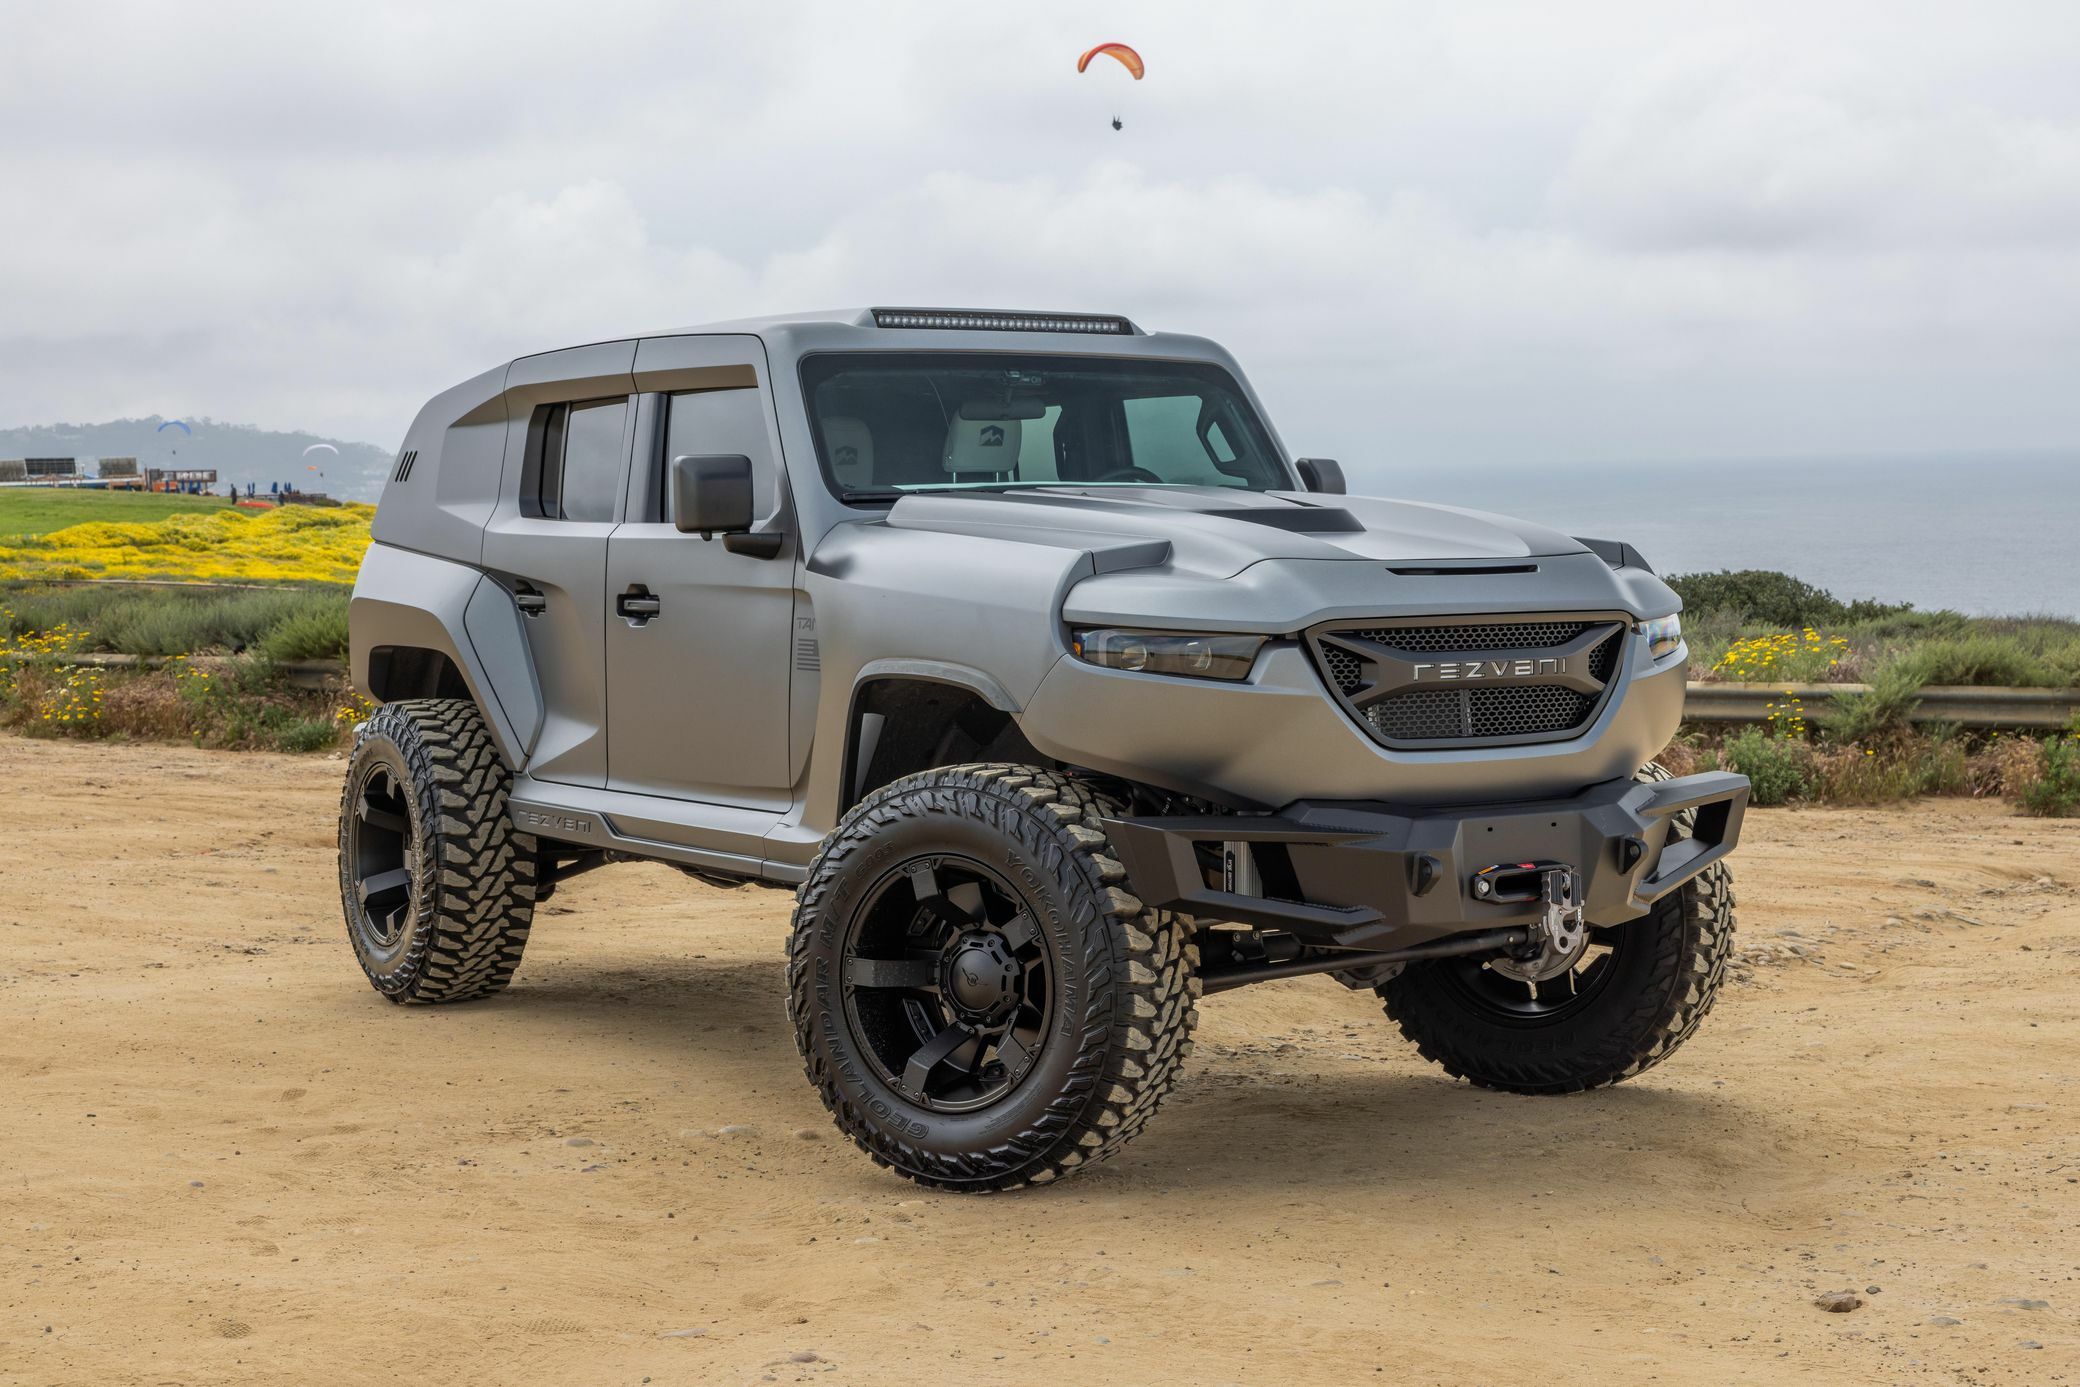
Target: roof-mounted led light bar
962	319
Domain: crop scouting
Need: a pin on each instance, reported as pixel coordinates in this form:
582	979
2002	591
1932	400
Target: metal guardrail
2037	710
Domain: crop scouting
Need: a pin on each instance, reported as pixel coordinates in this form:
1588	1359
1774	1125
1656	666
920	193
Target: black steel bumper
1381	876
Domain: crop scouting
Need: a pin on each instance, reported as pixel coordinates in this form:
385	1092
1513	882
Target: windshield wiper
871	493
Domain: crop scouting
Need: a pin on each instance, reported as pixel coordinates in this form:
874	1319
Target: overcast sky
1451	232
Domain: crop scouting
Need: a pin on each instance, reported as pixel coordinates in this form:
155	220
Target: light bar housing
988	320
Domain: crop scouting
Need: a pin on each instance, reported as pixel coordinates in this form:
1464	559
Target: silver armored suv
1017	647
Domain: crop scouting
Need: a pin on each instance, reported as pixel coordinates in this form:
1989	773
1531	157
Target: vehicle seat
982	447
850	446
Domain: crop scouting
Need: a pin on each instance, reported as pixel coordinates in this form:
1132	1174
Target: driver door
700	646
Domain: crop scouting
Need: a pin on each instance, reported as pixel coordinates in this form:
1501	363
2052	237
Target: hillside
241	453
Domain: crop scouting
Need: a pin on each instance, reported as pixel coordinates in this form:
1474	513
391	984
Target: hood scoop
1297	520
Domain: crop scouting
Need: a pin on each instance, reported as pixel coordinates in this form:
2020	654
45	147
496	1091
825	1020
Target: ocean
1989	535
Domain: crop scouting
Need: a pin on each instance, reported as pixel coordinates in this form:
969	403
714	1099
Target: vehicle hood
1216	532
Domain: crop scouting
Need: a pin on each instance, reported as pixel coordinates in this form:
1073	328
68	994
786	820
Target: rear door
697	686
561	493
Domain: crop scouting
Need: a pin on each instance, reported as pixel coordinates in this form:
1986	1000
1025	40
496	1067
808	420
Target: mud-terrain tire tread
474	886
1688	966
1141	966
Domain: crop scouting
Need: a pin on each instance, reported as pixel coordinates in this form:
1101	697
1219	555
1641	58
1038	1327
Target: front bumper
1381	876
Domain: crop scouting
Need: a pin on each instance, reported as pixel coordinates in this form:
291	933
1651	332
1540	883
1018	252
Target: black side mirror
711	495
1320	474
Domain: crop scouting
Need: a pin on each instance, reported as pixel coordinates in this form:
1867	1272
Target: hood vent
1298	520
1462	571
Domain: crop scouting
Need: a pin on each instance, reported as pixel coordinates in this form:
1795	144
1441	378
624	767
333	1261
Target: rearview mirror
711	495
1320	474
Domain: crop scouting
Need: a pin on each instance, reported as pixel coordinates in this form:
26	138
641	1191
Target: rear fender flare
409	599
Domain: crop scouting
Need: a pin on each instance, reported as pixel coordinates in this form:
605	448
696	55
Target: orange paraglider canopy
1128	58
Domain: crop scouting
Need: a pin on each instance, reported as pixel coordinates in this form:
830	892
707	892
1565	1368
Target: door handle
530	602
638	606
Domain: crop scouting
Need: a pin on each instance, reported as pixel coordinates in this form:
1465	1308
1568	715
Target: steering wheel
1129	474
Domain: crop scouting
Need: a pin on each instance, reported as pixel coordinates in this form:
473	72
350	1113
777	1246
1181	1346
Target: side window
707	423
574	462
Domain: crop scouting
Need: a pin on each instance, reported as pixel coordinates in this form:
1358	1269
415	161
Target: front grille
1470	713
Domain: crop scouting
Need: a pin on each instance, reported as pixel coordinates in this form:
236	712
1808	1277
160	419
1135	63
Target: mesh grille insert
1495	714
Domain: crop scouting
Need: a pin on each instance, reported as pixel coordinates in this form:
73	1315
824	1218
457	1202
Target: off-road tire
471	874
1649	1007
1106	1063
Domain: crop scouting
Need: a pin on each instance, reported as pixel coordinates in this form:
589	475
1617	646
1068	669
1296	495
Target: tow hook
1558	889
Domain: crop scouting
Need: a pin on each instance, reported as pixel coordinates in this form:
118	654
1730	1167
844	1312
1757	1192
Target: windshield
892	422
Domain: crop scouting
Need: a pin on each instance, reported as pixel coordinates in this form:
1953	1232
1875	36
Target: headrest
851	450
982	445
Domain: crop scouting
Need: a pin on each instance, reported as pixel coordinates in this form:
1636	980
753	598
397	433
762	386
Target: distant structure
13	472
120	474
53	471
188	481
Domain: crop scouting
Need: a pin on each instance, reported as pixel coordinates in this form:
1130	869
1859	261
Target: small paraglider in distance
175	424
1125	56
316	446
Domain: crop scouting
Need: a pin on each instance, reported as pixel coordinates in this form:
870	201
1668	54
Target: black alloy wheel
378	849
979	998
948	983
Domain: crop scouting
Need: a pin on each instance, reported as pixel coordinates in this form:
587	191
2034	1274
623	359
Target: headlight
1169	652
1664	634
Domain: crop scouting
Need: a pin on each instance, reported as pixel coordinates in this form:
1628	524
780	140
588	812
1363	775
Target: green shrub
313	633
307	734
1777	767
1879	713
135	620
1978	659
1774	599
2055	793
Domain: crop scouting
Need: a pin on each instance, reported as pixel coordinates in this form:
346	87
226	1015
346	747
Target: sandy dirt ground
227	1160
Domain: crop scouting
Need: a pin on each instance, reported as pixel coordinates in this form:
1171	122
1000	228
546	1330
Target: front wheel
977	998
1635	993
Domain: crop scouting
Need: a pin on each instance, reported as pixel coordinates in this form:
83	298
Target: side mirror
1320	474
711	495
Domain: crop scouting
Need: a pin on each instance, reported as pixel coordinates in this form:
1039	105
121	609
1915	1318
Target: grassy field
39	510
207	540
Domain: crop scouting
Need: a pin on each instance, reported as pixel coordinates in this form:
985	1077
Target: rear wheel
1635	992
436	884
976	997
